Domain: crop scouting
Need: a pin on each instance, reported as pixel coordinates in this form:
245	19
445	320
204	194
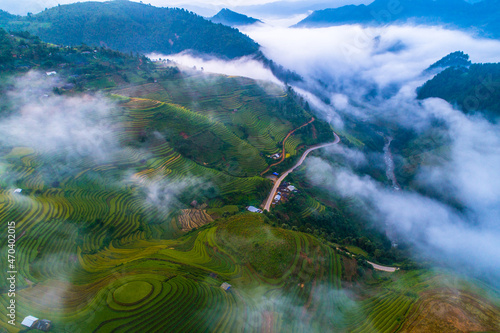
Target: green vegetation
132	292
105	246
139	281
472	89
122	25
454	59
230	18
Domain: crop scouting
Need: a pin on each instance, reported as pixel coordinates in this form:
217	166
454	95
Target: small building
35	323
18	190
226	286
254	209
29	321
291	188
277	198
276	156
51	73
276	174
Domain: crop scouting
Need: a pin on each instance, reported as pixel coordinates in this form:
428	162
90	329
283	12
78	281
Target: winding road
277	184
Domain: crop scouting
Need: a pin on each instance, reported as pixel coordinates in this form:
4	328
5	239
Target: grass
269	251
356	250
132	292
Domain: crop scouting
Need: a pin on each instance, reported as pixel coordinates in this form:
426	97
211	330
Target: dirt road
283	153
277	184
382	268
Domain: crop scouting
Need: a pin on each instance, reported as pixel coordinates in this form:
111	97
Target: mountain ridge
231	18
450	13
471	87
122	25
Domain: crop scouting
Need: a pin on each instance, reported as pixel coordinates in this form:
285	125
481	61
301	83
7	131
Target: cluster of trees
476	88
129	26
21	48
455	59
338	224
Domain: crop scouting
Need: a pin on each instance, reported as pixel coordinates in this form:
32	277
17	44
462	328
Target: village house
226	286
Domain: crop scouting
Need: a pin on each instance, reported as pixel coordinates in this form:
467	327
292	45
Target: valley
143	191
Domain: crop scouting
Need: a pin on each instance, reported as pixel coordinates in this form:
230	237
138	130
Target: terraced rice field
109	246
193	218
312	206
135	282
242	105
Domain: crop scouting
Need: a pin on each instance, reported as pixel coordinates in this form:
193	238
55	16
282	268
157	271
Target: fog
70	133
244	66
386	55
71	128
369	75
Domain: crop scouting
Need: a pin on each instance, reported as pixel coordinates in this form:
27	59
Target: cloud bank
346	54
369	75
239	67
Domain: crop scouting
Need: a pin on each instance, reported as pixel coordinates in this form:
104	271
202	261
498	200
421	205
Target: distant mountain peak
129	26
454	59
476	17
231	18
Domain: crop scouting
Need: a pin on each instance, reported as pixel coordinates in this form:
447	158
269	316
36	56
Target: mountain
291	8
481	16
133	27
455	59
230	18
471	87
127	182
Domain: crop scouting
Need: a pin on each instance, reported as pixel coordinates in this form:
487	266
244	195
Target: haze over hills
133	27
131	213
134	183
230	18
290	8
481	16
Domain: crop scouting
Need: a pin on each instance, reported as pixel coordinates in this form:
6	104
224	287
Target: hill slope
119	229
133	27
230	18
472	89
481	16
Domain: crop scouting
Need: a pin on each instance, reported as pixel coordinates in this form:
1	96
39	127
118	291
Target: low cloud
344	56
244	66
370	75
72	128
466	237
69	134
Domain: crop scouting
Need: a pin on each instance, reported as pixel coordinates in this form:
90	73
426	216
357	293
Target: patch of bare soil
447	310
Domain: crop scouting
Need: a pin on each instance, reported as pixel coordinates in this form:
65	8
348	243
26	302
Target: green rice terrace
140	237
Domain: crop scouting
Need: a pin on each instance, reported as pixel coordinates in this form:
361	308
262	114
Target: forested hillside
133	27
476	88
230	18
